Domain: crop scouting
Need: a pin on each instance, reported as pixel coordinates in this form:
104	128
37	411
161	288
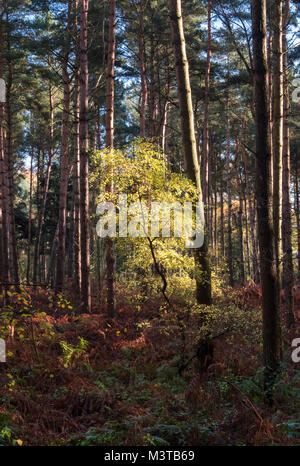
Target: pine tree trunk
10	173
277	133
152	126
240	217
247	235
202	267
206	111
12	243
29	220
109	142
3	180
64	163
270	83
297	211
84	160
41	217
255	266
76	188
229	201
269	278
144	87
288	272
222	219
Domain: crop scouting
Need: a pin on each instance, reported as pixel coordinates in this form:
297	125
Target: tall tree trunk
29	219
206	112
297	210
270	80
288	272
12	244
269	278
64	163
277	133
240	215
144	87
222	219
256	276
109	142
229	200
84	159
152	126
3	181
202	267
41	217
76	188
247	234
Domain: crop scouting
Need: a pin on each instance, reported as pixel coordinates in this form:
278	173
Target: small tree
141	172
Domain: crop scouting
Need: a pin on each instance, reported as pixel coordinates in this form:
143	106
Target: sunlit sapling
148	200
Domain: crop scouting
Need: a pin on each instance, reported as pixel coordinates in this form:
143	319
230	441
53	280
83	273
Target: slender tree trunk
144	87
277	134
269	278
152	128
29	219
297	210
206	111
222	219
64	163
13	256
51	267
76	188
41	218
240	216
202	267
270	80
164	129
247	235
245	189
84	160
252	221
71	237
109	142
3	181
288	269
229	201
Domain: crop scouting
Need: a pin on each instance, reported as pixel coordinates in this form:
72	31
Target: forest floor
90	380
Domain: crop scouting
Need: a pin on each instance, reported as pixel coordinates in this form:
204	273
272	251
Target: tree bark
269	278
84	160
29	219
206	110
45	194
76	188
3	180
240	215
229	200
144	86
64	163
202	267
297	210
109	142
277	133
288	269
12	243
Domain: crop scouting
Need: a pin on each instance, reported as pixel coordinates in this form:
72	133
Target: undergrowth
88	380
